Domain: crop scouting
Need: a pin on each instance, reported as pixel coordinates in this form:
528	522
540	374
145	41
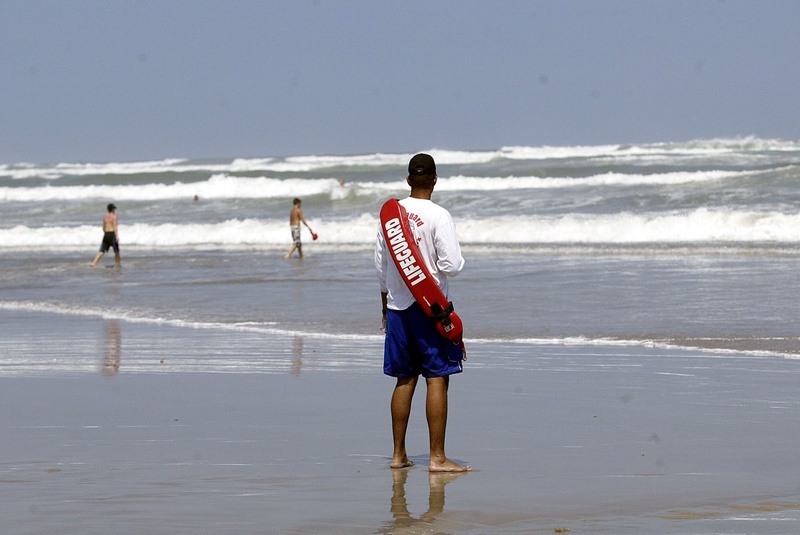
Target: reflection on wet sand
402	520
297	354
112	348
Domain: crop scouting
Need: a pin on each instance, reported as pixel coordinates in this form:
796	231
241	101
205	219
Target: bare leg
401	411
436	410
117	259
97	258
299	249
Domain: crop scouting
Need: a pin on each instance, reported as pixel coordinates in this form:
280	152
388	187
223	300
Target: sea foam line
294	164
226	186
261	328
131	317
699	226
651	343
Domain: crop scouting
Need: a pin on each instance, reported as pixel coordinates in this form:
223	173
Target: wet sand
139	429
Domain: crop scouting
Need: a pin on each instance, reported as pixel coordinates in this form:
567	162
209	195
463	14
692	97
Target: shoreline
590	439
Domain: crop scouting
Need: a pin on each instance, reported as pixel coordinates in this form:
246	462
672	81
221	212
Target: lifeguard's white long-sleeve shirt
435	233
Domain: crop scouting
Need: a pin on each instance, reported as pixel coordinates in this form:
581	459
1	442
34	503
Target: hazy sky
120	80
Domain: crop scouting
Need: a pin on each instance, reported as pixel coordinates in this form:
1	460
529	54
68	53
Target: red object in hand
314	236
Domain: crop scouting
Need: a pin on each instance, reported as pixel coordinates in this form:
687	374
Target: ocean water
630	318
685	245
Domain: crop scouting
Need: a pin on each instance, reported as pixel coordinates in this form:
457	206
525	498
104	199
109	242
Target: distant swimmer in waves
110	236
295	218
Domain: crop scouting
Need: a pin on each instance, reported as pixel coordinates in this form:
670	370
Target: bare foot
448	466
401	463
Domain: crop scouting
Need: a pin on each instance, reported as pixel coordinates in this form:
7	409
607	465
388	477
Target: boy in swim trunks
413	346
295	217
110	236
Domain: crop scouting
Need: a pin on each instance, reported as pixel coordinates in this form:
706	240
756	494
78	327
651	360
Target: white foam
443	157
225	186
696	226
700	226
220	186
133	317
270	330
465	183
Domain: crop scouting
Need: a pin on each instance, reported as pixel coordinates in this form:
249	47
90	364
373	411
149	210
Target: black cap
421	165
112	206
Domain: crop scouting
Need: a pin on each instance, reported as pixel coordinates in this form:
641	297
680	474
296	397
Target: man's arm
450	262
383	310
303	219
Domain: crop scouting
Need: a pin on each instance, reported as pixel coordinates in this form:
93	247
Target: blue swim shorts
414	347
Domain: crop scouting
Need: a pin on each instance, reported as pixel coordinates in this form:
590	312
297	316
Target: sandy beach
590	439
624	183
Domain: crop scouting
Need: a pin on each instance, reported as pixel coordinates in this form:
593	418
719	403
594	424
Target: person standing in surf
295	217
110	236
413	346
